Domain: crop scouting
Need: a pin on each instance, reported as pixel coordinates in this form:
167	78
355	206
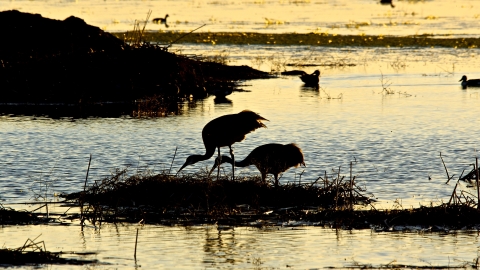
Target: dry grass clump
11	216
36	253
156	105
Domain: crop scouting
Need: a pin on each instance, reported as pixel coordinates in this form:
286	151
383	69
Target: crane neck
242	163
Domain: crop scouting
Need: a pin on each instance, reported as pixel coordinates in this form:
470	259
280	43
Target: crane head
190	160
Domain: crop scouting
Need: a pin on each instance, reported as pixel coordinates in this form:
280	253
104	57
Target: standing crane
225	131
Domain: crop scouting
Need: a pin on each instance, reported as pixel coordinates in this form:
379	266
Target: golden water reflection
439	17
197	247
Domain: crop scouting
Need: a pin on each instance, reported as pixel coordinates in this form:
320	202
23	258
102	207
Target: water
393	140
438	17
247	248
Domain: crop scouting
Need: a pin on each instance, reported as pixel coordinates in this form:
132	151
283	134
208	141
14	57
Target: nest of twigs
201	198
248	201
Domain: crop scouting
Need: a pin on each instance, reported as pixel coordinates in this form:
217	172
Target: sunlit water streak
438	17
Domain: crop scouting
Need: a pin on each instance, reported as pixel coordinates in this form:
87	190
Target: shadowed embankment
69	68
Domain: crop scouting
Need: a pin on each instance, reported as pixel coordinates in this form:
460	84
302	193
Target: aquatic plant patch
35	253
310	39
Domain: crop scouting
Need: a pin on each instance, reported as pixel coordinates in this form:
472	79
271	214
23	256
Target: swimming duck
387	2
311	79
160	20
471	83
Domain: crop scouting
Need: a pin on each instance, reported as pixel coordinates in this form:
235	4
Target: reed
386	83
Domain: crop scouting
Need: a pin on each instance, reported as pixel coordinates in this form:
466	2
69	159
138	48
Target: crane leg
264	177
219	162
233	163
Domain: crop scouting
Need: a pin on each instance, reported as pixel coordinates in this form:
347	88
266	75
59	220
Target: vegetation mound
199	198
79	69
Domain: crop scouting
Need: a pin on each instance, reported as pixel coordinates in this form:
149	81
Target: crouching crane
272	158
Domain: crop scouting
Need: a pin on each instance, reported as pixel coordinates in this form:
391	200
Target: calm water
394	140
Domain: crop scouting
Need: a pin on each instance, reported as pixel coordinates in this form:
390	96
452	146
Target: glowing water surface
438	17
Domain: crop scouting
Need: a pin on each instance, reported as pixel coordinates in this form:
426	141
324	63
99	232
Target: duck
471	83
311	79
387	2
160	20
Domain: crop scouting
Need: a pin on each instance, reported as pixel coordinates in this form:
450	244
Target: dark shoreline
69	68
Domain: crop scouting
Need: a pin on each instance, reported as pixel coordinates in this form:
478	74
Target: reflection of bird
387	2
221	92
311	79
271	158
471	83
222	100
160	20
225	131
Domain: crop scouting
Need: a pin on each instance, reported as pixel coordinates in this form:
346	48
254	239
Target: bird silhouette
387	2
272	158
160	20
225	131
310	79
471	83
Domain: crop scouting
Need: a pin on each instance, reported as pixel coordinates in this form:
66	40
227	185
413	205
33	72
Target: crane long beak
183	166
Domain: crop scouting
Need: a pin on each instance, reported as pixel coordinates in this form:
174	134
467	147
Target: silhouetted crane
273	158
471	82
311	79
225	131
